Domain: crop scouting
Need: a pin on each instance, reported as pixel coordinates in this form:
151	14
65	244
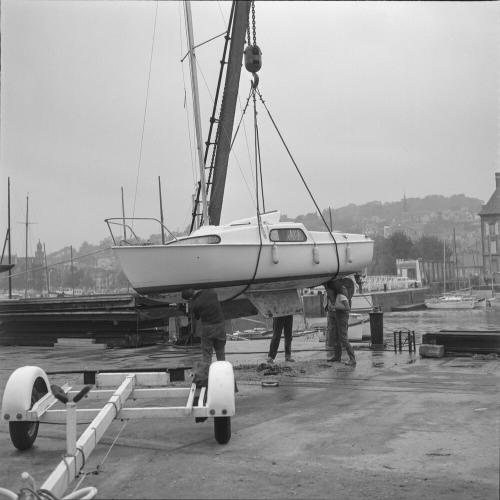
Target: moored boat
452	302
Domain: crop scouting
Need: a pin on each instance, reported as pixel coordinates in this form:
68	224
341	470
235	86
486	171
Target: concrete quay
395	426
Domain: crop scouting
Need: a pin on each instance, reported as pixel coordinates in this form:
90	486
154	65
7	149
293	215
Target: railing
387	282
123	231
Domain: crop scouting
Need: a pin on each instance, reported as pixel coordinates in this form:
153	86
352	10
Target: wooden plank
141	379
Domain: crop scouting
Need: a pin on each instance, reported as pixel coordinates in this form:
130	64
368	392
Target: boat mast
228	106
26	251
123	218
444	267
196	109
161	213
10	257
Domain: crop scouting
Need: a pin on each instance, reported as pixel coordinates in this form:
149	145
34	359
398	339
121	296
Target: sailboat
258	257
453	300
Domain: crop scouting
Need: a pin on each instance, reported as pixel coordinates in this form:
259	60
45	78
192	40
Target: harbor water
432	321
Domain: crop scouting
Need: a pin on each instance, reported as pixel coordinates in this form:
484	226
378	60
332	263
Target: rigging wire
303	181
258	160
258	179
203	43
243	110
145	109
53	266
188	122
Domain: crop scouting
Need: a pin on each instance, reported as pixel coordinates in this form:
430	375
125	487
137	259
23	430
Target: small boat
452	302
255	254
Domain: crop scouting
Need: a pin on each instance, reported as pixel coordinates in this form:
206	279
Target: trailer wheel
23	434
222	429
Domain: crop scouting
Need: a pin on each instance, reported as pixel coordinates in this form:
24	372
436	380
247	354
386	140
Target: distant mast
10	249
196	109
26	250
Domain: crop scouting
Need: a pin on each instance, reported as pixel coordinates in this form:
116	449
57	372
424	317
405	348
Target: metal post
123	219
377	328
26	252
10	258
161	213
409	342
46	271
72	271
400	346
414	344
394	334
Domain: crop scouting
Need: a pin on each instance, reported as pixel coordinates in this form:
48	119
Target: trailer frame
215	400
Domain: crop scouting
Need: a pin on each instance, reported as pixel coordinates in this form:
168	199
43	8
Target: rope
85	474
303	181
258	162
145	109
258	169
206	41
259	223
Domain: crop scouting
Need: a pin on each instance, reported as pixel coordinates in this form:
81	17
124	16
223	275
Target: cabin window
211	239
287	235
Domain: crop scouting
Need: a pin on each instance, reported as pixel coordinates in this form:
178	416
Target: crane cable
258	162
303	181
258	167
253	63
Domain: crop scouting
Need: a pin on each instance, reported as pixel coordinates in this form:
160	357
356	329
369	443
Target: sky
375	100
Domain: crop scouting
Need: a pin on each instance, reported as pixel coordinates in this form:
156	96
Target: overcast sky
373	99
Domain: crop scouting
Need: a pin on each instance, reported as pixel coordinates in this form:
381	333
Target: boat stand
29	399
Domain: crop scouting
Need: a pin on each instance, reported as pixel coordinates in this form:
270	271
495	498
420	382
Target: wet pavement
395	426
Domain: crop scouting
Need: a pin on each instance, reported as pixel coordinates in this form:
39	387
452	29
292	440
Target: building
410	269
490	239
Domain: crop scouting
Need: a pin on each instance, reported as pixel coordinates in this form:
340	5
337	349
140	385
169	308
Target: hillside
433	215
94	267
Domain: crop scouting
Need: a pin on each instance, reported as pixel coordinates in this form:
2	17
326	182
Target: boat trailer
29	398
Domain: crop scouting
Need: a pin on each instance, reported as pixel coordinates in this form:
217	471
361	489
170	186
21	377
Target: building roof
493	205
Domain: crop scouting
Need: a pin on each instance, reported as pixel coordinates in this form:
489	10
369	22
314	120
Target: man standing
285	324
206	306
338	323
331	323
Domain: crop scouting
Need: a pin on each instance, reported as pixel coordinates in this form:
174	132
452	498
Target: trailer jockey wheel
23	434
222	429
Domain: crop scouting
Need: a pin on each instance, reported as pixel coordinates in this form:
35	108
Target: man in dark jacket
206	306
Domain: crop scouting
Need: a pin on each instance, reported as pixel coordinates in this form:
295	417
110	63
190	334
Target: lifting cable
253	64
303	181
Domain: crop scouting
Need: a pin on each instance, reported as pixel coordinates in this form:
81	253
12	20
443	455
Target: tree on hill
387	250
429	248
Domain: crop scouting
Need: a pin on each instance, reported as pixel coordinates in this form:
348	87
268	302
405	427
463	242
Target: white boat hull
451	303
241	262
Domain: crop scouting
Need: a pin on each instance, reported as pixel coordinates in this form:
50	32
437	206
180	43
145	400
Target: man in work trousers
206	306
338	323
285	324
